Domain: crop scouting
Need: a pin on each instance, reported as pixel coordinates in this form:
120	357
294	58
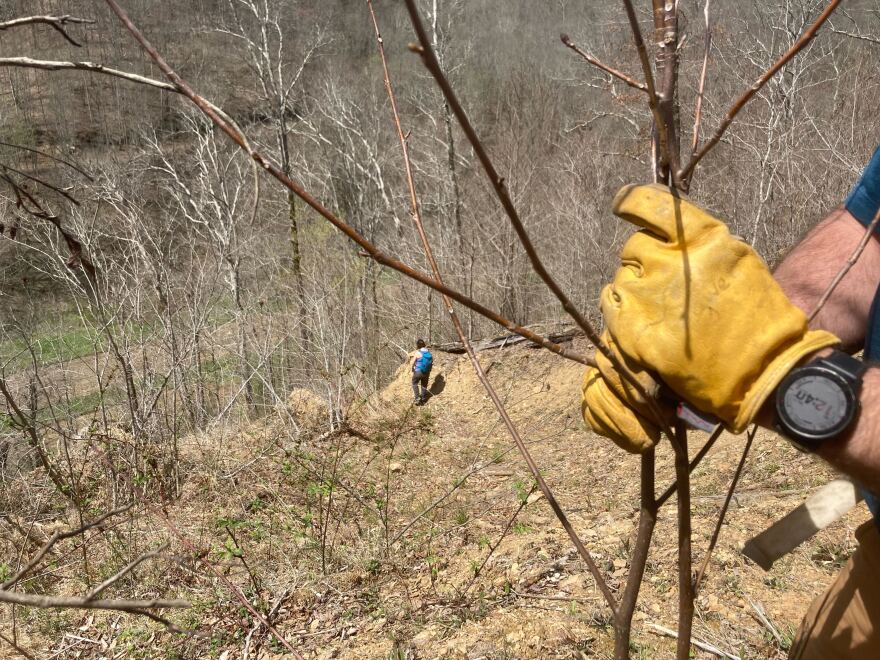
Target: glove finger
622	380
670	217
606	414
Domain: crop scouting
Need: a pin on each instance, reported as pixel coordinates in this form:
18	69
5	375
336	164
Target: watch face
815	403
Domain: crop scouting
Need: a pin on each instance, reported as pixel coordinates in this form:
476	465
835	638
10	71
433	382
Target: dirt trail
536	598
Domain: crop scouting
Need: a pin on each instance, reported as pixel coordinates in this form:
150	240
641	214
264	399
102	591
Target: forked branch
629	80
90	601
58	23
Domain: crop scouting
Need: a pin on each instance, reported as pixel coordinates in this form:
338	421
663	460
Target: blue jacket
863	202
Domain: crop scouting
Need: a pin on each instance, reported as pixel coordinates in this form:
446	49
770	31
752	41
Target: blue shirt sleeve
863	201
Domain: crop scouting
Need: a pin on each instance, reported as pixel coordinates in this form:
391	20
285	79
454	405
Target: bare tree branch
688	171
56	22
12	643
698	111
50	156
51	65
695	461
82	603
723	513
854	35
847	266
59	536
94	593
653	101
632	82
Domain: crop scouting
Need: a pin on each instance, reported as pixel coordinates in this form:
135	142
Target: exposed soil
424	555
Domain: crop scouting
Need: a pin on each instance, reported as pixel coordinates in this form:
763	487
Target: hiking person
421	372
696	308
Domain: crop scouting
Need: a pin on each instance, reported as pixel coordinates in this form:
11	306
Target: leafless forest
205	446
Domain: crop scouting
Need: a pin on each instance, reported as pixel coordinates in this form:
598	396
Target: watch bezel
809	437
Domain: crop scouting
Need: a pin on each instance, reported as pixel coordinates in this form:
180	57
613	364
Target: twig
82	603
698	112
701	645
765	621
673	488
16	647
629	80
459	482
48	155
522	505
29	204
481	374
236	135
94	593
653	101
850	262
853	35
723	513
56	22
60	536
41	182
639	559
685	581
273	612
687	172
26	425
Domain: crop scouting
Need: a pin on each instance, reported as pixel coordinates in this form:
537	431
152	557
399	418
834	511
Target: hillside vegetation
179	334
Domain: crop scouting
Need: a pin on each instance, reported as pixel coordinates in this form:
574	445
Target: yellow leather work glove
613	407
698	309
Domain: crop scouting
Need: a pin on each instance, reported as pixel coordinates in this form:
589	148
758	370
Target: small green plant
523	489
461	517
433	563
229	523
5	571
483	542
520	527
229	551
319	489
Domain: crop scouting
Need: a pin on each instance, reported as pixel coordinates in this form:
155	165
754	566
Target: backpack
424	362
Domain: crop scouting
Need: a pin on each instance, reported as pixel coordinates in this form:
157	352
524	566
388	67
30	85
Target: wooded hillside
159	292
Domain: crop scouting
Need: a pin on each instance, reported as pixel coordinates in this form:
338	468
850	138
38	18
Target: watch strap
846	366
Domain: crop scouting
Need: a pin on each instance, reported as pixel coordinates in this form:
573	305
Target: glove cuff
761	390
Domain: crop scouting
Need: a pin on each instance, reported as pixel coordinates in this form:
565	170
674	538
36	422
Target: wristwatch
820	400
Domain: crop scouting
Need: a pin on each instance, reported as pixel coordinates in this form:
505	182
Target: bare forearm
804	276
811	266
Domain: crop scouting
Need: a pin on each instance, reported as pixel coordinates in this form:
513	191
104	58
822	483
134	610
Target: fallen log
457	348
